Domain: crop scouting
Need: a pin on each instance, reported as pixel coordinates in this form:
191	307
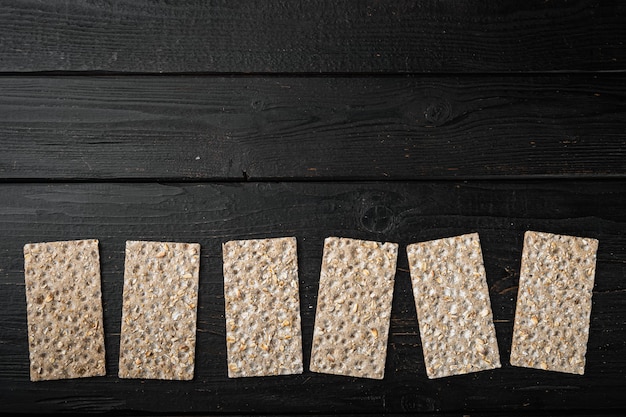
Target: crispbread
263	335
158	337
554	302
354	308
453	309
64	310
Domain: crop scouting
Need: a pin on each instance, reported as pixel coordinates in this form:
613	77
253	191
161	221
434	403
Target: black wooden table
395	121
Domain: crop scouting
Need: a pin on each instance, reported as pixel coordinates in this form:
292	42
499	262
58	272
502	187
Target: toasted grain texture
554	302
354	307
453	308
158	338
263	334
64	310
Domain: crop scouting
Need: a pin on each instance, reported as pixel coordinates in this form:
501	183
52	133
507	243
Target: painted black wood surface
284	36
398	212
235	128
398	121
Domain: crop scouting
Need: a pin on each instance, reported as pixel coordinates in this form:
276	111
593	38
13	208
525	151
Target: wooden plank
208	128
279	36
500	211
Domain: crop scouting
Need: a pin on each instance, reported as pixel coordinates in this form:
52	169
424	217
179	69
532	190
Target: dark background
395	121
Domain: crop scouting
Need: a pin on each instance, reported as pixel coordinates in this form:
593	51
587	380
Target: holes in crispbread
452	302
262	307
353	307
57	275
556	278
160	292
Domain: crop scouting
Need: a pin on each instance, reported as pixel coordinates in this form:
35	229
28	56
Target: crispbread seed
263	335
158	336
554	302
354	308
64	310
452	303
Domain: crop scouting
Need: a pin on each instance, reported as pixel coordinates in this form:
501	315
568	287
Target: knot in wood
377	219
258	104
438	113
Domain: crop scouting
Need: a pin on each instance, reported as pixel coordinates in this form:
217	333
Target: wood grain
260	128
403	212
208	121
285	36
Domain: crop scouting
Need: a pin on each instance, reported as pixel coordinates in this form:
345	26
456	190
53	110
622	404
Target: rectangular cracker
554	302
354	308
453	308
64	310
263	333
158	337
